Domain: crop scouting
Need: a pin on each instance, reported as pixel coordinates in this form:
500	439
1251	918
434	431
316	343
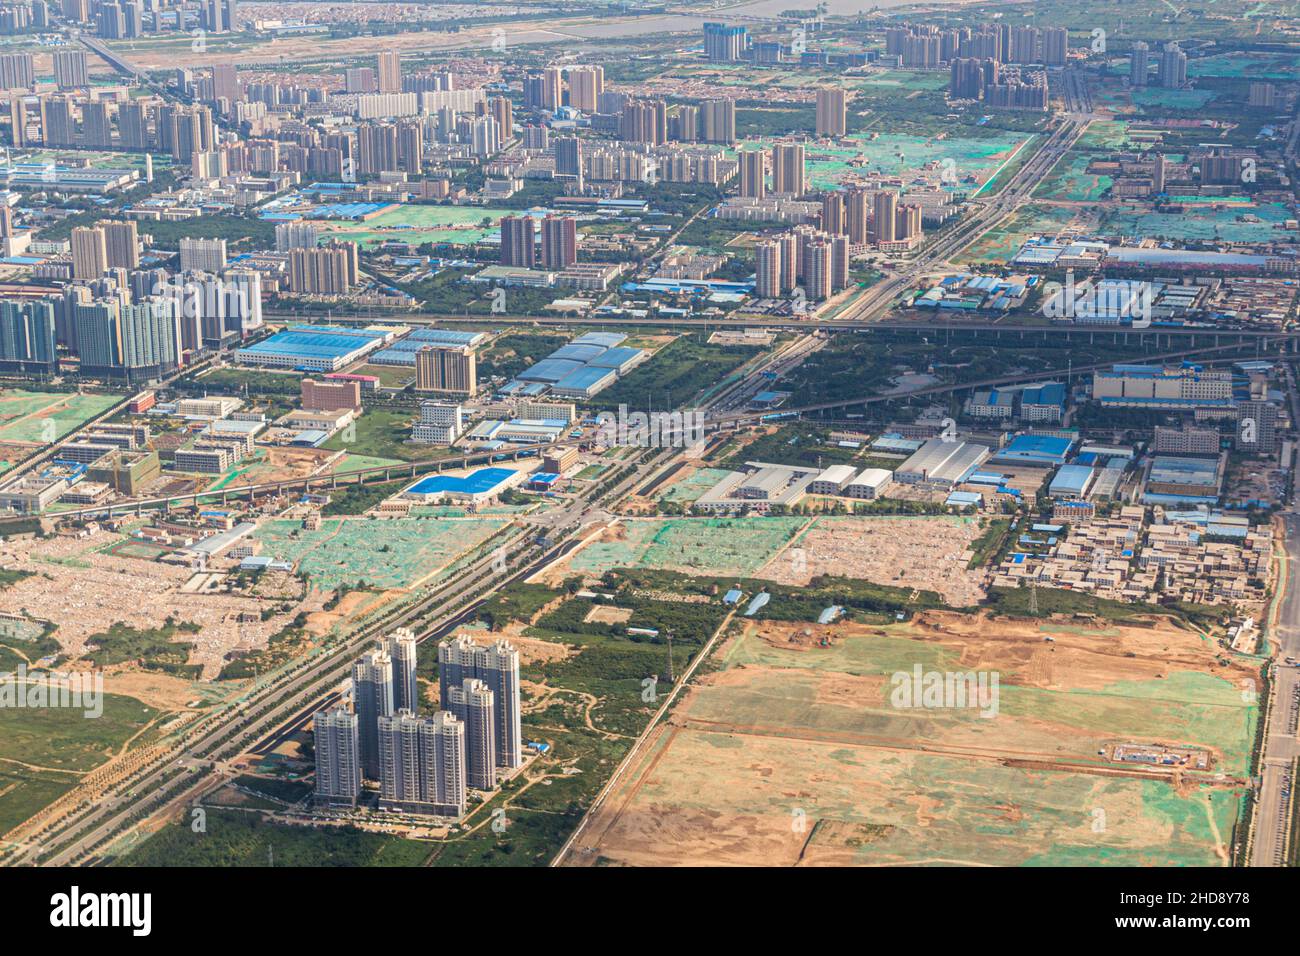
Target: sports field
795	752
40	417
131	548
383	553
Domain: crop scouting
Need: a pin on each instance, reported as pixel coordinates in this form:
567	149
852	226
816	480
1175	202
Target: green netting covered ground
721	546
1255	66
389	553
999	245
892	153
461	225
1172	99
1106	134
1257	223
691	487
1070	181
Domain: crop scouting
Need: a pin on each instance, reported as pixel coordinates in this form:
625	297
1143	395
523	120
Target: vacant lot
929	553
43	753
40	417
794	753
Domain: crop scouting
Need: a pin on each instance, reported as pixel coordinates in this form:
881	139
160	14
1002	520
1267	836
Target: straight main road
1271	820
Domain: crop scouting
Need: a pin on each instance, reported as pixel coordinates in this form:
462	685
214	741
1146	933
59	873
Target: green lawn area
383	433
234	838
44	750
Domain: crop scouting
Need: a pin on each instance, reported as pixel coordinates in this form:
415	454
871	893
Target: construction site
391	553
923	553
920	553
792	751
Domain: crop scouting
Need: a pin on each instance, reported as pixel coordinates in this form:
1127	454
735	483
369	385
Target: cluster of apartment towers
423	765
817	260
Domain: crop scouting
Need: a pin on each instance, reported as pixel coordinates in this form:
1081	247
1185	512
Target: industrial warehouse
314	348
579	370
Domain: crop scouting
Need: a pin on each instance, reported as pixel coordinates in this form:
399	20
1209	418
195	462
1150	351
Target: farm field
793	753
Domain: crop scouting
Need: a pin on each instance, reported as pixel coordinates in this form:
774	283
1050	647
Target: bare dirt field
930	554
160	691
605	614
353	604
796	752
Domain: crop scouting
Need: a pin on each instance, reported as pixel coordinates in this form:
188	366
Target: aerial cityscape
535	434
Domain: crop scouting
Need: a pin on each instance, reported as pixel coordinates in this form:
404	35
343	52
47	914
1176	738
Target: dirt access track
795	752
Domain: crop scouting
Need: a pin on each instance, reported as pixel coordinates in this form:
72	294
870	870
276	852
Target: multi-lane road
1271	821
